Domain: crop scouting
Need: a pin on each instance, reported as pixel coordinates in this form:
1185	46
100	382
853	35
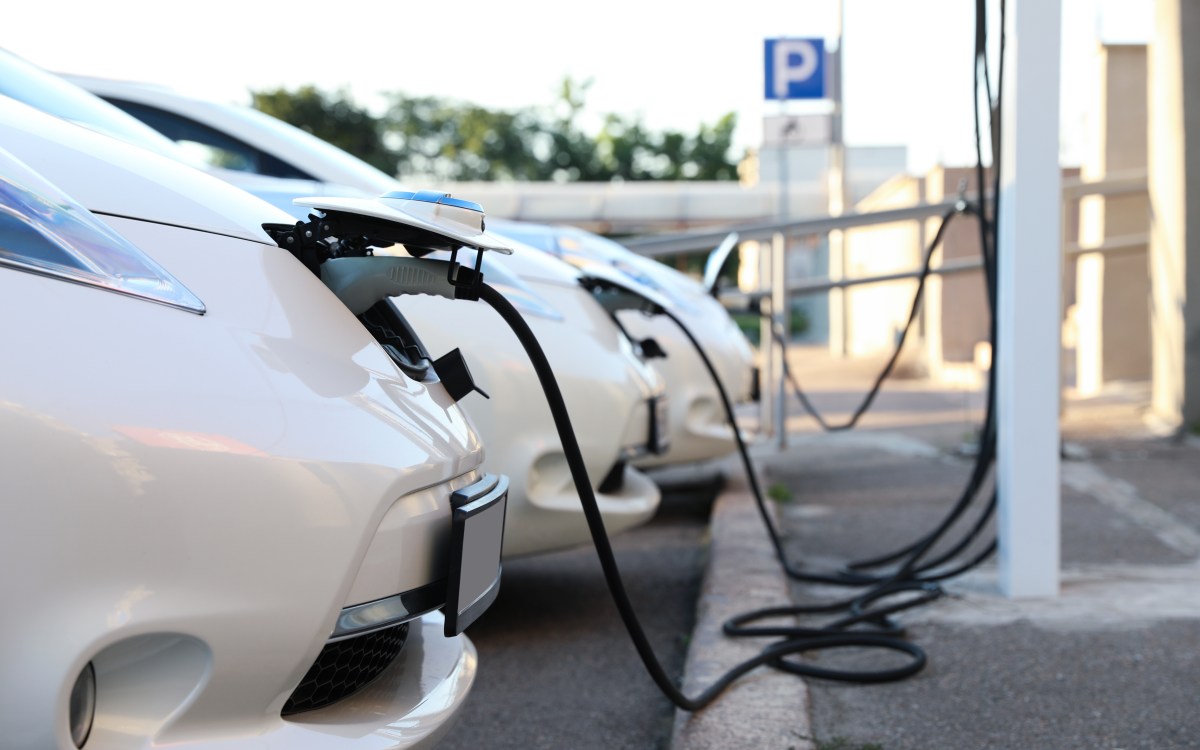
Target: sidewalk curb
764	708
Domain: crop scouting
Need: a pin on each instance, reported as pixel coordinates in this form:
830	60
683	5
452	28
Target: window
211	145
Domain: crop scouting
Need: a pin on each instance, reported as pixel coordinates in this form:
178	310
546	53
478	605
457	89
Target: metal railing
774	298
690	242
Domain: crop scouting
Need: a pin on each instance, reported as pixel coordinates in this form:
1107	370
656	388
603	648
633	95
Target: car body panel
604	382
301	150
109	176
190	498
699	426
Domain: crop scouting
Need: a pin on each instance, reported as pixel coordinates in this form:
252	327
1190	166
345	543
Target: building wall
1174	178
957	302
953	327
876	313
1112	310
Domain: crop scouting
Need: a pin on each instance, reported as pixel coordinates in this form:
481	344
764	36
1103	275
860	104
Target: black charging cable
913	572
834	635
912	584
988	237
869	399
985	455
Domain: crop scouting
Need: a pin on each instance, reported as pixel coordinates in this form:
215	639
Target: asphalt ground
1113	662
556	667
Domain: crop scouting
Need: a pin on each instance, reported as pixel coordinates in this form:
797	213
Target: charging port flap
422	222
452	370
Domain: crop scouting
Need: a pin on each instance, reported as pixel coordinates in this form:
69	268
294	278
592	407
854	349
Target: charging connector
361	282
614	293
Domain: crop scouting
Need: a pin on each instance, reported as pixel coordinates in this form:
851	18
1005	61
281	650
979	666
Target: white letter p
785	73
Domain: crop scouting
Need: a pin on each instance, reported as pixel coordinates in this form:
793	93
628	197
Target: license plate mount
477	536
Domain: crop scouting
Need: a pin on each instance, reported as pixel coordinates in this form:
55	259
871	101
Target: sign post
836	195
794	69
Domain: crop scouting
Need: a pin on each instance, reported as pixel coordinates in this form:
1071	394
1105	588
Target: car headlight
82	705
43	231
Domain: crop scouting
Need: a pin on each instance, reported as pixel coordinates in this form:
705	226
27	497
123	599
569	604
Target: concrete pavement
1114	662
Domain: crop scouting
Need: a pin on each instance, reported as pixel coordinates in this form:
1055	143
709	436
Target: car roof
324	161
110	176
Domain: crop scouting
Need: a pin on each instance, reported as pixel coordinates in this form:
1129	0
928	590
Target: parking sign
795	68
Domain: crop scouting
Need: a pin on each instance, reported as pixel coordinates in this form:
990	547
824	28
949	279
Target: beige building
1110	320
1106	280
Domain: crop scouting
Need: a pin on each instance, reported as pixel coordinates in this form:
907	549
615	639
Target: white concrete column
1030	283
1112	312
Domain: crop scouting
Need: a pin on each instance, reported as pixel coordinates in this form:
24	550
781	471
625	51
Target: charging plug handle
614	297
361	282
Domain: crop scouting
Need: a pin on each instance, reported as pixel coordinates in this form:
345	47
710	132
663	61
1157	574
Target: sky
674	64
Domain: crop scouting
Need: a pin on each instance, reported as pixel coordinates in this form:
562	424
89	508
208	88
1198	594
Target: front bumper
552	516
222	488
607	390
411	705
699	429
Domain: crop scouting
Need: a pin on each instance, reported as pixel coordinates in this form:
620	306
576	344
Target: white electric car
616	401
614	398
230	519
699	427
603	380
258	144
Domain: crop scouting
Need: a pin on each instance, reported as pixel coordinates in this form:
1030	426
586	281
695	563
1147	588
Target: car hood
533	265
108	176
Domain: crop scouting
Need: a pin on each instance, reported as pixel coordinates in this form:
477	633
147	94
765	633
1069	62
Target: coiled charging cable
797	639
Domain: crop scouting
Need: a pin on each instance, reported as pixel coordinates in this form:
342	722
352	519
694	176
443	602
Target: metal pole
766	346
1030	280
836	188
784	154
779	316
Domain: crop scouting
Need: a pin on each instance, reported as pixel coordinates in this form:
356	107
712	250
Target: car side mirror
716	261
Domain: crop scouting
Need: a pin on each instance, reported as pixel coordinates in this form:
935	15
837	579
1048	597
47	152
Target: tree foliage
444	139
332	117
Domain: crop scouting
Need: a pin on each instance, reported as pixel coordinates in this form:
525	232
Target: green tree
709	151
331	117
444	139
459	141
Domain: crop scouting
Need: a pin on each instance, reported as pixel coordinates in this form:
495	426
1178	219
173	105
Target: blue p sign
795	68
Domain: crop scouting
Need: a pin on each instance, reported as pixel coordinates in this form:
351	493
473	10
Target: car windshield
45	91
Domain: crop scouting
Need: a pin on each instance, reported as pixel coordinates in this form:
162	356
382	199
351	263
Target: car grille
345	667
